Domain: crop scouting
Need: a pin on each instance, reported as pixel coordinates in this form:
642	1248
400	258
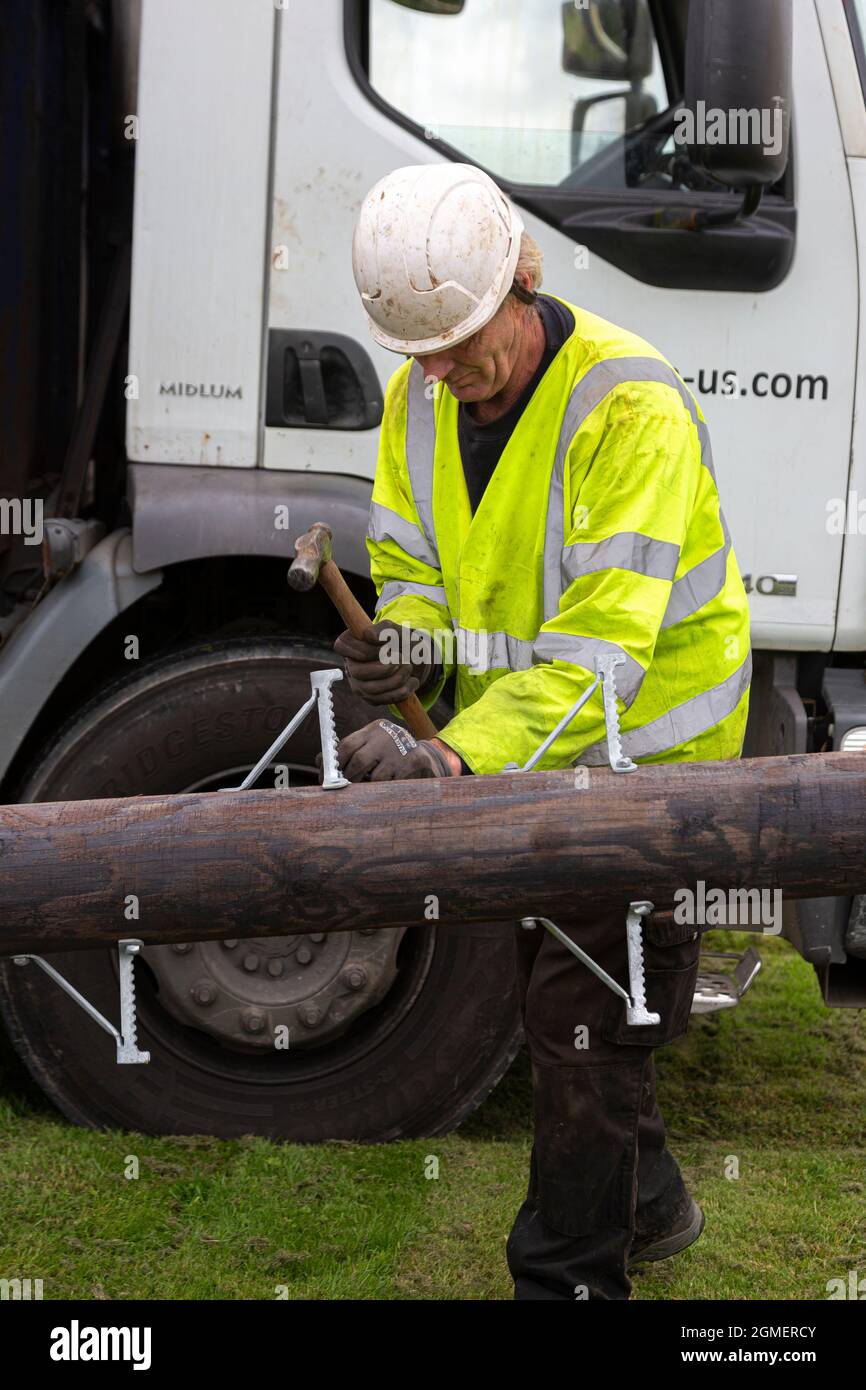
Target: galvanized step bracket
636	1011
605	667
321	682
126	1038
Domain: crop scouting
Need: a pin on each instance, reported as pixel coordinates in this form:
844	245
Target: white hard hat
434	255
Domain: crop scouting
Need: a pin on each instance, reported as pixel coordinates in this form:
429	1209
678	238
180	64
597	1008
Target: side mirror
609	39
736	118
620	112
433	6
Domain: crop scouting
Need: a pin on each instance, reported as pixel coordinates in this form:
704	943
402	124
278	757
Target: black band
525	296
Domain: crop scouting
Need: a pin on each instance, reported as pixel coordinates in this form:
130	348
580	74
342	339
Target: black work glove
385	752
372	675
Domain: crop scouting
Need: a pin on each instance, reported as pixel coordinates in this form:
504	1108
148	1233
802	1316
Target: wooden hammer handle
357	622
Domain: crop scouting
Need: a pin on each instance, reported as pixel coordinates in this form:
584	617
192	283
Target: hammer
313	562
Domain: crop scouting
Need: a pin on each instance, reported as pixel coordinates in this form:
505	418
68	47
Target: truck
188	384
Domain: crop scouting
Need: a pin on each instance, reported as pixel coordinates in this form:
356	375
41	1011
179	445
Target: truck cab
189	384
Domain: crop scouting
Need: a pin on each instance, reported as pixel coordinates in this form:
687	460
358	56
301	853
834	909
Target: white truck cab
235	140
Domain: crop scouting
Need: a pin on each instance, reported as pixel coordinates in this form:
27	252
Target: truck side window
576	108
538	92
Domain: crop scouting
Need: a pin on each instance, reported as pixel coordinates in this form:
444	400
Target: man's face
479	368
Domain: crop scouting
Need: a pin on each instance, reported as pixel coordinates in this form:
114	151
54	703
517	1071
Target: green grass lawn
779	1085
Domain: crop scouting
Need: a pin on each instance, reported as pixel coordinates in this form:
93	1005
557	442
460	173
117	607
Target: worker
544	495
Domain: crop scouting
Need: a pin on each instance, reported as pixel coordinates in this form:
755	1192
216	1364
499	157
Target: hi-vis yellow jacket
600	531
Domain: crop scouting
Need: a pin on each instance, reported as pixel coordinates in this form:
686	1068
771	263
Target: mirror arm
698	219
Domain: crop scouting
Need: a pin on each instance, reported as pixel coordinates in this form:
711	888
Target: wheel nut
317	936
253	1021
355	977
203	992
230	945
251	962
180	948
309	1015
275	967
303	955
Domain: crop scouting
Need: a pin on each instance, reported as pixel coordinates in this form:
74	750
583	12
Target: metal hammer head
312	550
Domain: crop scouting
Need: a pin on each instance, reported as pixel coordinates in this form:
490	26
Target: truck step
724	987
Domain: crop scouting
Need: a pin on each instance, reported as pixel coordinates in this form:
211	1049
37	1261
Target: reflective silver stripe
706	449
396	588
598	382
680	724
601	379
387	525
702	583
491	651
629	550
554	534
582	651
496	651
420	449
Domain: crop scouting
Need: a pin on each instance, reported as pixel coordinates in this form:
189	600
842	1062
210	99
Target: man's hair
530	261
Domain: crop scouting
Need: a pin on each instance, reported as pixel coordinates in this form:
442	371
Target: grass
774	1091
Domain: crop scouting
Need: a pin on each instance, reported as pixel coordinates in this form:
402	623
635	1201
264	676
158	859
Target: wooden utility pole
398	854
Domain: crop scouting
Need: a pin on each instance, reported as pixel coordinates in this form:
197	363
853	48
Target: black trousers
599	1159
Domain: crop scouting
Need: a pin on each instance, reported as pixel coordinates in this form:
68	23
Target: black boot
666	1226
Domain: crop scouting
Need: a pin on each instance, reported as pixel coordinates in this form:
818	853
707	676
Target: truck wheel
358	1035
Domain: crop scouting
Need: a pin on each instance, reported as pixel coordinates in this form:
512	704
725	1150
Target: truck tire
436	1031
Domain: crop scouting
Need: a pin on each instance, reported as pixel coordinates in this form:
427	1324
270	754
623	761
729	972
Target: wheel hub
276	991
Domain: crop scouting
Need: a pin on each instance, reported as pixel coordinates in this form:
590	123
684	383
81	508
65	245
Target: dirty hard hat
434	255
